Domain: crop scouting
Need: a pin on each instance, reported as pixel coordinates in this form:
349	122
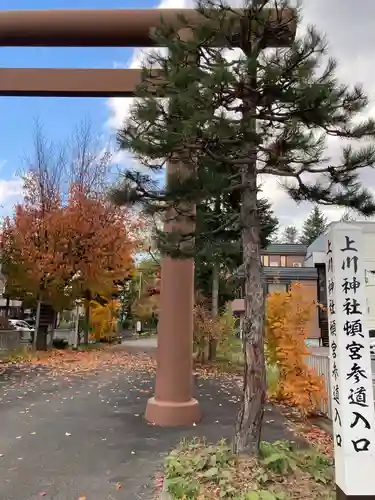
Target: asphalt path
69	437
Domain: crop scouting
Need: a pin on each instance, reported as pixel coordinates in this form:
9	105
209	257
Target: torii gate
173	403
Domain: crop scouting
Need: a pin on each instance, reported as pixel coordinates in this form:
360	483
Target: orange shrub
287	317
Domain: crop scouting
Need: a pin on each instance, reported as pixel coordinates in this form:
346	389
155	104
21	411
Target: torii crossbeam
173	404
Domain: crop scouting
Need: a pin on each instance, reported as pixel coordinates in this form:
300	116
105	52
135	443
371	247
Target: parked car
24	327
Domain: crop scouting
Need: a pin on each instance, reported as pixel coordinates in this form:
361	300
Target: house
283	265
315	257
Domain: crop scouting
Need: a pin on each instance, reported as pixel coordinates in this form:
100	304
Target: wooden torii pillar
173	403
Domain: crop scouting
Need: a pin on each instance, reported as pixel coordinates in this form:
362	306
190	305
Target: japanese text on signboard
345	311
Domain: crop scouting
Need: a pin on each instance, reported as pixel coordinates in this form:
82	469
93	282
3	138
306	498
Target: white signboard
353	412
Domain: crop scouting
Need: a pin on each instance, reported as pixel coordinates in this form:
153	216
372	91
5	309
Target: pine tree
290	235
233	119
213	262
315	225
227	248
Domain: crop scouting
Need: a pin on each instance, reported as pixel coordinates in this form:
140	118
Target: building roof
283	273
285	249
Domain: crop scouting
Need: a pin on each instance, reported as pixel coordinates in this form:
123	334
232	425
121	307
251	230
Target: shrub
287	316
229	345
197	471
206	328
220	329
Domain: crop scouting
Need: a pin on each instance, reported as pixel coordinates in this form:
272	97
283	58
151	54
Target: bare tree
89	164
43	172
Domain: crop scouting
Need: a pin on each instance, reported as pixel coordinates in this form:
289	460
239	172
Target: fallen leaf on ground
315	436
158	480
79	362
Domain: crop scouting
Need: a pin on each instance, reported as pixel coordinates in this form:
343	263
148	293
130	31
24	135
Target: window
275	261
277	287
265	260
283	261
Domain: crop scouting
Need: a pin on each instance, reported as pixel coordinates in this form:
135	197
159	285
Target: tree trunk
250	416
87	323
37	324
76	329
215	309
52	333
41	338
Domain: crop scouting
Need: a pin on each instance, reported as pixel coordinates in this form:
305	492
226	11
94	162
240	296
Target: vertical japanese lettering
351	394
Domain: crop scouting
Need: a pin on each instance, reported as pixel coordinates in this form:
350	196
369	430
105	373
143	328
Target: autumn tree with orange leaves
288	316
99	242
28	248
66	241
38	265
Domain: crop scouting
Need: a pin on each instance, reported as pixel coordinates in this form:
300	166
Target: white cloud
119	107
10	194
351	36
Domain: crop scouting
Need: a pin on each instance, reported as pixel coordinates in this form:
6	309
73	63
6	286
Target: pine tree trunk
250	416
215	309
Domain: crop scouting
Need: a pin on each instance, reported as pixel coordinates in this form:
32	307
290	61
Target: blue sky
58	115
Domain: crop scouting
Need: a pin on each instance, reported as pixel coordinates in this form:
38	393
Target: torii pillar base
173	404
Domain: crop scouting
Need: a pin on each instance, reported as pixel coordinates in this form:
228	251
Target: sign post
352	398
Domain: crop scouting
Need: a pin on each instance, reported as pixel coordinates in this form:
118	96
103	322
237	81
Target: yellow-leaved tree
104	320
288	315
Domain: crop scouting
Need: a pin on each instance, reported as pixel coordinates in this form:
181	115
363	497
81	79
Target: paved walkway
141	343
84	437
